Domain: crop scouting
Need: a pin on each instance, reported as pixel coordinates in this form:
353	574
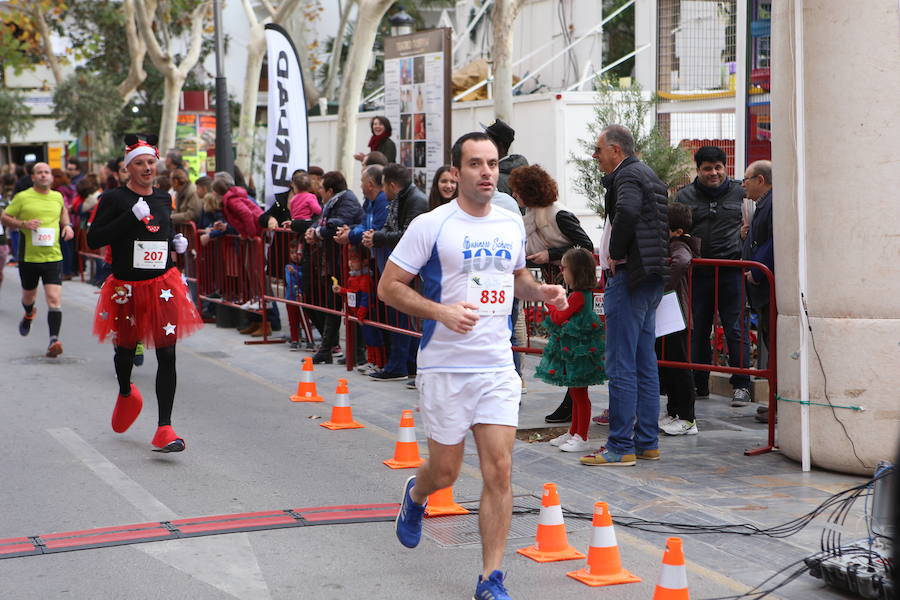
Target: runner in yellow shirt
41	215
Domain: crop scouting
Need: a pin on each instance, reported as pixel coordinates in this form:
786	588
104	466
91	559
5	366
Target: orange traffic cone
306	388
552	542
673	577
406	450
441	504
341	412
604	567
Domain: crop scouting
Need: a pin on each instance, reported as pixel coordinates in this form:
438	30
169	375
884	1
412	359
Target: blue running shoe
409	519
491	588
25	323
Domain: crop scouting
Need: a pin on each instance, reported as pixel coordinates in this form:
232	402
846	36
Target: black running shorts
31	272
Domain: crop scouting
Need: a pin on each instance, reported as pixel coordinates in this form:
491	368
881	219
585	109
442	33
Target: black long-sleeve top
116	226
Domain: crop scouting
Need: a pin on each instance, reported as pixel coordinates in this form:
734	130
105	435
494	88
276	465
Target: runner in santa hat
145	298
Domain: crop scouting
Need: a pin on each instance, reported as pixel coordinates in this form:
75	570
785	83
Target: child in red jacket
358	293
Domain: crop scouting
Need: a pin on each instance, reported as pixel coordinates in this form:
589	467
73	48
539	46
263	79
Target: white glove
141	209
180	243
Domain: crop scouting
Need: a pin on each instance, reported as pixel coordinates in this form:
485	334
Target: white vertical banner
287	144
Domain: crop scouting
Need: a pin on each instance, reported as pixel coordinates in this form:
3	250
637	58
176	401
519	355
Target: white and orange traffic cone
441	504
406	450
604	566
673	576
341	412
306	387
552	541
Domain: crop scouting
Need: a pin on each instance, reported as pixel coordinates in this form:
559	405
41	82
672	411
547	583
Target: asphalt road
250	449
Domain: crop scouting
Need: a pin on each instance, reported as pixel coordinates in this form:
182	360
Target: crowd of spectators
338	244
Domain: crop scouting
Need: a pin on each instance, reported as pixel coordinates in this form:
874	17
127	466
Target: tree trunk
9	154
256	51
503	16
52	61
295	29
169	119
174	73
334	61
370	14
137	49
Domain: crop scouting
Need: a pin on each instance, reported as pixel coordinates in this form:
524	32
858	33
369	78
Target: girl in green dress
573	356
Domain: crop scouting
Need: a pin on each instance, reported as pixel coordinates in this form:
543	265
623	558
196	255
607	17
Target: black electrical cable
757	593
839	504
812	337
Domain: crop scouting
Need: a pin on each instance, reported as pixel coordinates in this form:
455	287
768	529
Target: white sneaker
250	305
559	441
576	444
681	427
666	421
366	368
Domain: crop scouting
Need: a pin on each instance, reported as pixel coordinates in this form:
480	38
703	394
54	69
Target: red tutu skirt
157	312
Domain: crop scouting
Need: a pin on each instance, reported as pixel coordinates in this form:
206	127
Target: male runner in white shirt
471	257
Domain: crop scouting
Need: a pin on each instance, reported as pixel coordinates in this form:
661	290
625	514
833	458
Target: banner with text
417	100
287	145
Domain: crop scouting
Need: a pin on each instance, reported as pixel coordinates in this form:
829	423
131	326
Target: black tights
165	378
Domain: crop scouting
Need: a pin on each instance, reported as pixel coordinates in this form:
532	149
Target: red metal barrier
229	270
770	373
83	251
187	262
321	263
227	274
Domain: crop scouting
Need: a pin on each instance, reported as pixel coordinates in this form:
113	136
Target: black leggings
165	378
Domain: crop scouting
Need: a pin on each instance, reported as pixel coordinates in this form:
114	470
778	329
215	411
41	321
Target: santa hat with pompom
135	146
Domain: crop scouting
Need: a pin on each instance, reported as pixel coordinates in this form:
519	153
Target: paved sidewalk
250	449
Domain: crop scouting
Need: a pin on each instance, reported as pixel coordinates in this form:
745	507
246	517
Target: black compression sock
29	308
54	321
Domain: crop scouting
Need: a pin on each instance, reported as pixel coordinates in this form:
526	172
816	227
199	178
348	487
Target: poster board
417	100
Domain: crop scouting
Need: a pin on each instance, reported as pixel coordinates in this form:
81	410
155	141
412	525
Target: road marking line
226	562
111	475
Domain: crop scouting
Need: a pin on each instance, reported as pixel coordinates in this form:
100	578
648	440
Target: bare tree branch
285	10
502	19
369	16
197	22
268	6
256	49
334	61
137	49
52	60
160	59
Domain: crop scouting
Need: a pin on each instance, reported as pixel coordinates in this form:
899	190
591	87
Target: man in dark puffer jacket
716	200
406	203
636	267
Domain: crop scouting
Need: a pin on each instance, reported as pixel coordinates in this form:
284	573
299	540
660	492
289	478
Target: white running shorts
450	403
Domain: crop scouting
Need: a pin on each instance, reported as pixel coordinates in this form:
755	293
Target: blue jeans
731	282
402	345
631	363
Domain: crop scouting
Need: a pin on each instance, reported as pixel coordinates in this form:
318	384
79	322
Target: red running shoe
127	410
602	418
166	440
54	349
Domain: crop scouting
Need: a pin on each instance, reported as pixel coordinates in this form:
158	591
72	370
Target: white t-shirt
449	248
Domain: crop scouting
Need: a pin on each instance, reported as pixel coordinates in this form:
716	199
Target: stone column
852	116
